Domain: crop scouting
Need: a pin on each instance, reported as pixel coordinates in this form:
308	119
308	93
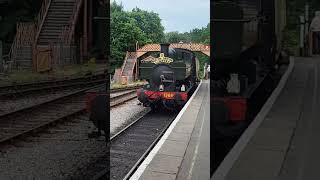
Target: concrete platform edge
155	150
233	155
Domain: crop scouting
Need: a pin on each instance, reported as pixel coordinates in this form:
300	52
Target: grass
119	86
70	71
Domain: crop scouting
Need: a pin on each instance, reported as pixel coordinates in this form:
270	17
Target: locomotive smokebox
164	48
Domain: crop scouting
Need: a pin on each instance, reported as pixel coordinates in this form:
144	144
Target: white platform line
233	155
154	151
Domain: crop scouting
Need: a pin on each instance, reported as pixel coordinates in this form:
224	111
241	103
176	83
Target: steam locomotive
247	41
171	76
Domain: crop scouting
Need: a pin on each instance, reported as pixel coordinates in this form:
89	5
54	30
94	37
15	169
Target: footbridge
129	70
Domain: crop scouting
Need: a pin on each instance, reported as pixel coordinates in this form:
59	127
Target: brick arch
195	47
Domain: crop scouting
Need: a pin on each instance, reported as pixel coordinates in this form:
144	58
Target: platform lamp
1	57
1	52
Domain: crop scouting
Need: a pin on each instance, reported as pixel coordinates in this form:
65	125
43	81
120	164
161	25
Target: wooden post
81	50
306	19
301	35
137	68
85	30
306	30
90	7
310	49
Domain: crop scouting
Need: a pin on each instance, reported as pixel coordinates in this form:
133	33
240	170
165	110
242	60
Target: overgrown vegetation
133	84
131	27
70	71
295	8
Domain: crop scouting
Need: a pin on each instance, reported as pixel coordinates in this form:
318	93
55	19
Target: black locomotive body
171	75
247	41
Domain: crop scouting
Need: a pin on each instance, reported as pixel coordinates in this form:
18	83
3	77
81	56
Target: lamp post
1	57
302	29
1	52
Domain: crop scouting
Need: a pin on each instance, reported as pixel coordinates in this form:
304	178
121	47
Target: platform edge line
235	152
157	147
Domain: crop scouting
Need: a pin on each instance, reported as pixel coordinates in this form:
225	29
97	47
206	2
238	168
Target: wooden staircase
55	24
58	16
130	61
127	69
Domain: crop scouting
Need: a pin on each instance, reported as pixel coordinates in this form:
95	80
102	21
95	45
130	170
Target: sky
176	15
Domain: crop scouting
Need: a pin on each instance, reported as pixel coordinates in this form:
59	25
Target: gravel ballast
64	150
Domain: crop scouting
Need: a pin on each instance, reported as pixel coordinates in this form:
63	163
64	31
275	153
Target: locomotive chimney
164	48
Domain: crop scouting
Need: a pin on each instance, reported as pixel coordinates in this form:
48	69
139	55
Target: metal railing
41	16
24	37
68	30
124	63
27	33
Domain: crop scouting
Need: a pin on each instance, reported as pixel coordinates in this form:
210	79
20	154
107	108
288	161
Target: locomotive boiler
171	75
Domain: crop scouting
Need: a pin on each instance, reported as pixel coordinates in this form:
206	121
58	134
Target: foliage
291	41
133	84
149	23
295	8
195	36
176	37
130	27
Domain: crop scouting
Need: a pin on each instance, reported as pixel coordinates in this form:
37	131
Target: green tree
295	8
176	37
130	27
195	36
149	23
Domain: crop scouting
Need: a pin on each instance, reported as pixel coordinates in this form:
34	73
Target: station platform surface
184	150
282	143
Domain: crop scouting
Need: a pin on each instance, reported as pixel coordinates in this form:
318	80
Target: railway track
22	89
118	98
129	147
35	118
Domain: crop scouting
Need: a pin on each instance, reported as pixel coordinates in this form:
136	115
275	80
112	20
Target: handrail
69	30
63	35
135	61
124	63
41	16
24	36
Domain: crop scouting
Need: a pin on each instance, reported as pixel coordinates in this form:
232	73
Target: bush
291	42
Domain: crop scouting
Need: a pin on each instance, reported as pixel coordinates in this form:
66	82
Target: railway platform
184	150
282	143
